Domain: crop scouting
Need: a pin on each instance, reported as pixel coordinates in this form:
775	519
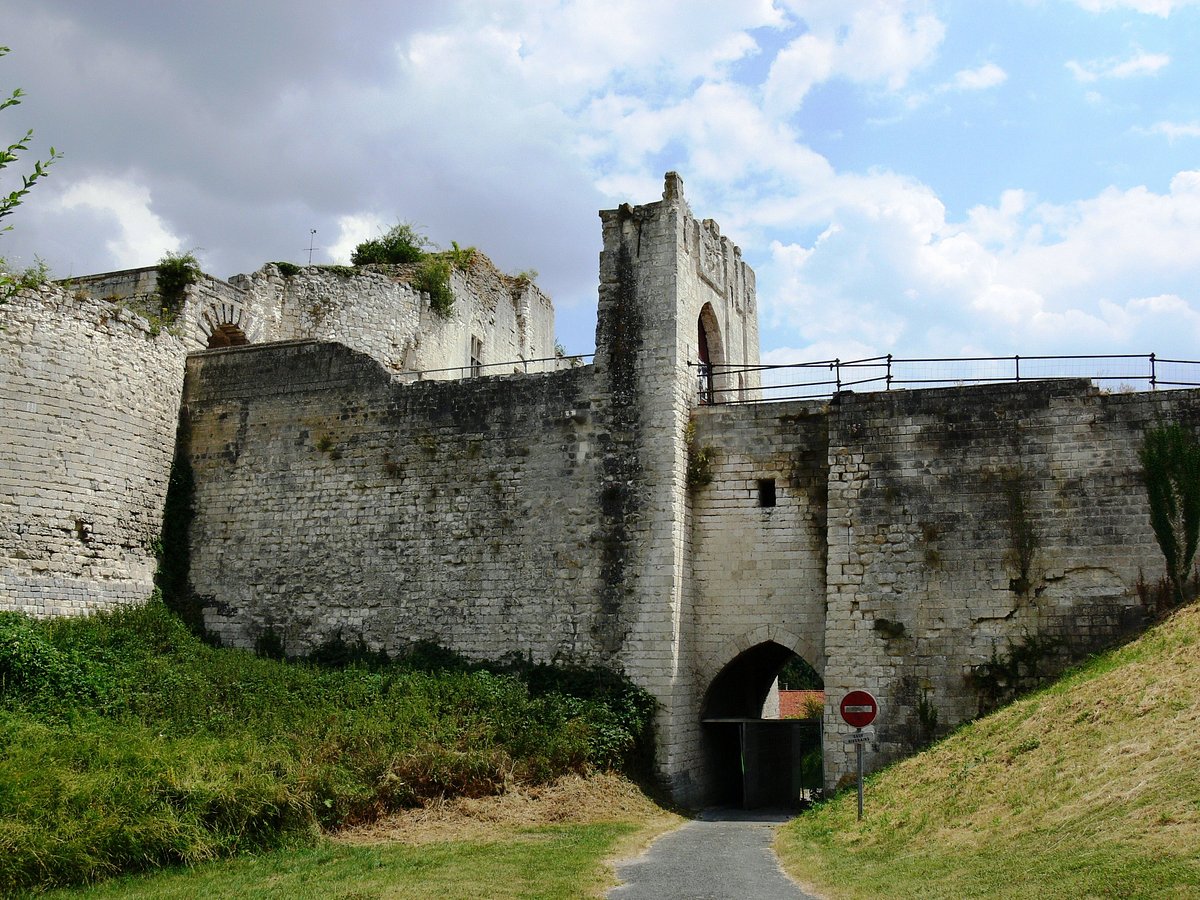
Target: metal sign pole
859	709
859	750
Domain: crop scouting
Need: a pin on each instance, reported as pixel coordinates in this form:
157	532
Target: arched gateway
754	756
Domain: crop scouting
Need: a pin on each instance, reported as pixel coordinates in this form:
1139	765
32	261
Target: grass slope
127	744
548	841
1089	788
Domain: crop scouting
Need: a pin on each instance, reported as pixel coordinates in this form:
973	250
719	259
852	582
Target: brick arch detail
228	314
735	647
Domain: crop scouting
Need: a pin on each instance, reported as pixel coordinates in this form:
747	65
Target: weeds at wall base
130	744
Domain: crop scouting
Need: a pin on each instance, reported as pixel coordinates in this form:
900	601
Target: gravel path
723	855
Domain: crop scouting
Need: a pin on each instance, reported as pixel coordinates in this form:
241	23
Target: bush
129	743
176	271
434	279
402	243
23	279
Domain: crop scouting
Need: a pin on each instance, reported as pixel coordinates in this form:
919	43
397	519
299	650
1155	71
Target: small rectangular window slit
766	492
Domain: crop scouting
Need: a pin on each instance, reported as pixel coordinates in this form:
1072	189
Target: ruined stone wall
334	501
380	313
89	399
715	282
208	304
376	311
965	523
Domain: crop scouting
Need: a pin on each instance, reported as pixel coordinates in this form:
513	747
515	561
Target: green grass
127	744
1090	788
551	862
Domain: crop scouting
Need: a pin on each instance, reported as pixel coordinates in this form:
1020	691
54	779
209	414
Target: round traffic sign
859	708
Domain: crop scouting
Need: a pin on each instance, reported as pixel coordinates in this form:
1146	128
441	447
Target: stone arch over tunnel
227	323
751	761
227	335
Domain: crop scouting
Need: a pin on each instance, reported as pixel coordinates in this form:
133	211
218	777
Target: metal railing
824	378
509	367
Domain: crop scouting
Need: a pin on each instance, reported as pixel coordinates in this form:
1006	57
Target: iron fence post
1017	364
837	373
1153	375
889	372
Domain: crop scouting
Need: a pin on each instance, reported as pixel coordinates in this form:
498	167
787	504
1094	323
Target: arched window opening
710	348
706	374
227	335
760	749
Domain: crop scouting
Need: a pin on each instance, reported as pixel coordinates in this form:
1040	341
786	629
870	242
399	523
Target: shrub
402	243
176	271
461	257
433	278
129	743
33	276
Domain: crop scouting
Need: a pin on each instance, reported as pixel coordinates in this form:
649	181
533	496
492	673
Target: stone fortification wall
377	311
758	533
661	274
89	399
209	304
334	501
977	535
757	560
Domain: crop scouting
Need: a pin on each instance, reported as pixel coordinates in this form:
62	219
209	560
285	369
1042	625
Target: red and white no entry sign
859	708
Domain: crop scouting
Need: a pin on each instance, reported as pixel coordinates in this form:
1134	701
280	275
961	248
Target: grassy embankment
1089	788
126	744
548	841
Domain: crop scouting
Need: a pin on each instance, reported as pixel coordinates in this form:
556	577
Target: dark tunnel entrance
756	761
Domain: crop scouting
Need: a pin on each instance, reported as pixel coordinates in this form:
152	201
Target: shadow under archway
756	762
227	335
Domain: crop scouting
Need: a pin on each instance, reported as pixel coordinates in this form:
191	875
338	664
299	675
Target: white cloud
875	42
140	235
1175	130
986	76
352	231
1161	8
1118	270
1139	64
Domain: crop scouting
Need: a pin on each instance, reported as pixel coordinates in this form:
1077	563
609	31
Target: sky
916	177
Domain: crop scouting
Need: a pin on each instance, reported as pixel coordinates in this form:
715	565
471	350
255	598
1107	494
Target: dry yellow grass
1089	788
572	800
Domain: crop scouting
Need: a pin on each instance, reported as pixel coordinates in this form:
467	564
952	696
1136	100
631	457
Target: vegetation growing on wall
23	279
1023	666
699	459
404	244
400	244
129	744
433	278
172	549
461	257
1023	539
1170	459
176	272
